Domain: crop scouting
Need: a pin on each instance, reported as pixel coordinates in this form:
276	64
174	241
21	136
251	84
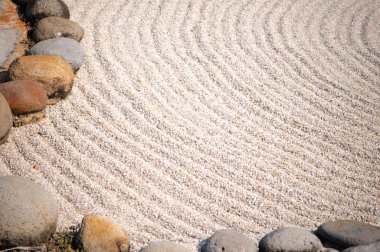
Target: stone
365	248
348	233
53	27
8	40
165	246
229	240
21	2
39	9
100	235
27	100
290	239
69	49
5	119
28	213
54	73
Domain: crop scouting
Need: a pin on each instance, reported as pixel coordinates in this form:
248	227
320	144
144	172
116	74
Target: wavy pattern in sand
192	116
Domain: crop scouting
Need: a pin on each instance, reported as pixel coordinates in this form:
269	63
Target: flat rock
8	40
165	246
100	235
229	240
290	239
28	213
365	248
53	27
348	233
54	73
67	48
5	119
39	9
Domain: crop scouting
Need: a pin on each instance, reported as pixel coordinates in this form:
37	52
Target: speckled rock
39	9
365	248
229	240
28	213
290	240
69	49
165	246
5	119
348	233
54	73
53	27
99	235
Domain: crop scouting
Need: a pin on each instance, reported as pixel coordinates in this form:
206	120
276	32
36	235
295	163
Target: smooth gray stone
28	213
290	240
165	246
67	48
348	233
229	240
8	39
365	248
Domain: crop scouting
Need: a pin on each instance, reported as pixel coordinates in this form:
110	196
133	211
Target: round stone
28	213
229	240
290	239
39	9
24	96
348	233
365	248
67	48
165	246
5	119
54	73
53	27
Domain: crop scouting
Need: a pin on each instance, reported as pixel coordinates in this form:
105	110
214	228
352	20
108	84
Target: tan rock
5	119
54	73
99	235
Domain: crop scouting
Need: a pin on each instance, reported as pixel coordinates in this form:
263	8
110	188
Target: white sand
192	116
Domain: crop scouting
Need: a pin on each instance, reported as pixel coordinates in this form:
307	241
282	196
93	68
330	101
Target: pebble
54	73
28	213
98	234
290	239
67	48
229	240
39	9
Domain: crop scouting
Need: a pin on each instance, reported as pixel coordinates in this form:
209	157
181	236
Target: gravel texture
189	117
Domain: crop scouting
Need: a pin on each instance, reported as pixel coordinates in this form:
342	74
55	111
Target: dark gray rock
165	246
229	240
8	39
53	27
69	49
348	233
5	119
39	9
290	240
28	213
365	248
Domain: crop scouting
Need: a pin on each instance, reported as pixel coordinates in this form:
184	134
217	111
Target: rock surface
8	40
99	235
39	9
28	213
165	246
24	96
53	27
290	239
348	233
365	248
69	49
54	73
5	119
21	2
229	241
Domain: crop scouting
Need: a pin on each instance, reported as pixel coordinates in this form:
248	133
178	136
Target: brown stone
24	96
53	27
99	235
5	119
54	73
39	9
